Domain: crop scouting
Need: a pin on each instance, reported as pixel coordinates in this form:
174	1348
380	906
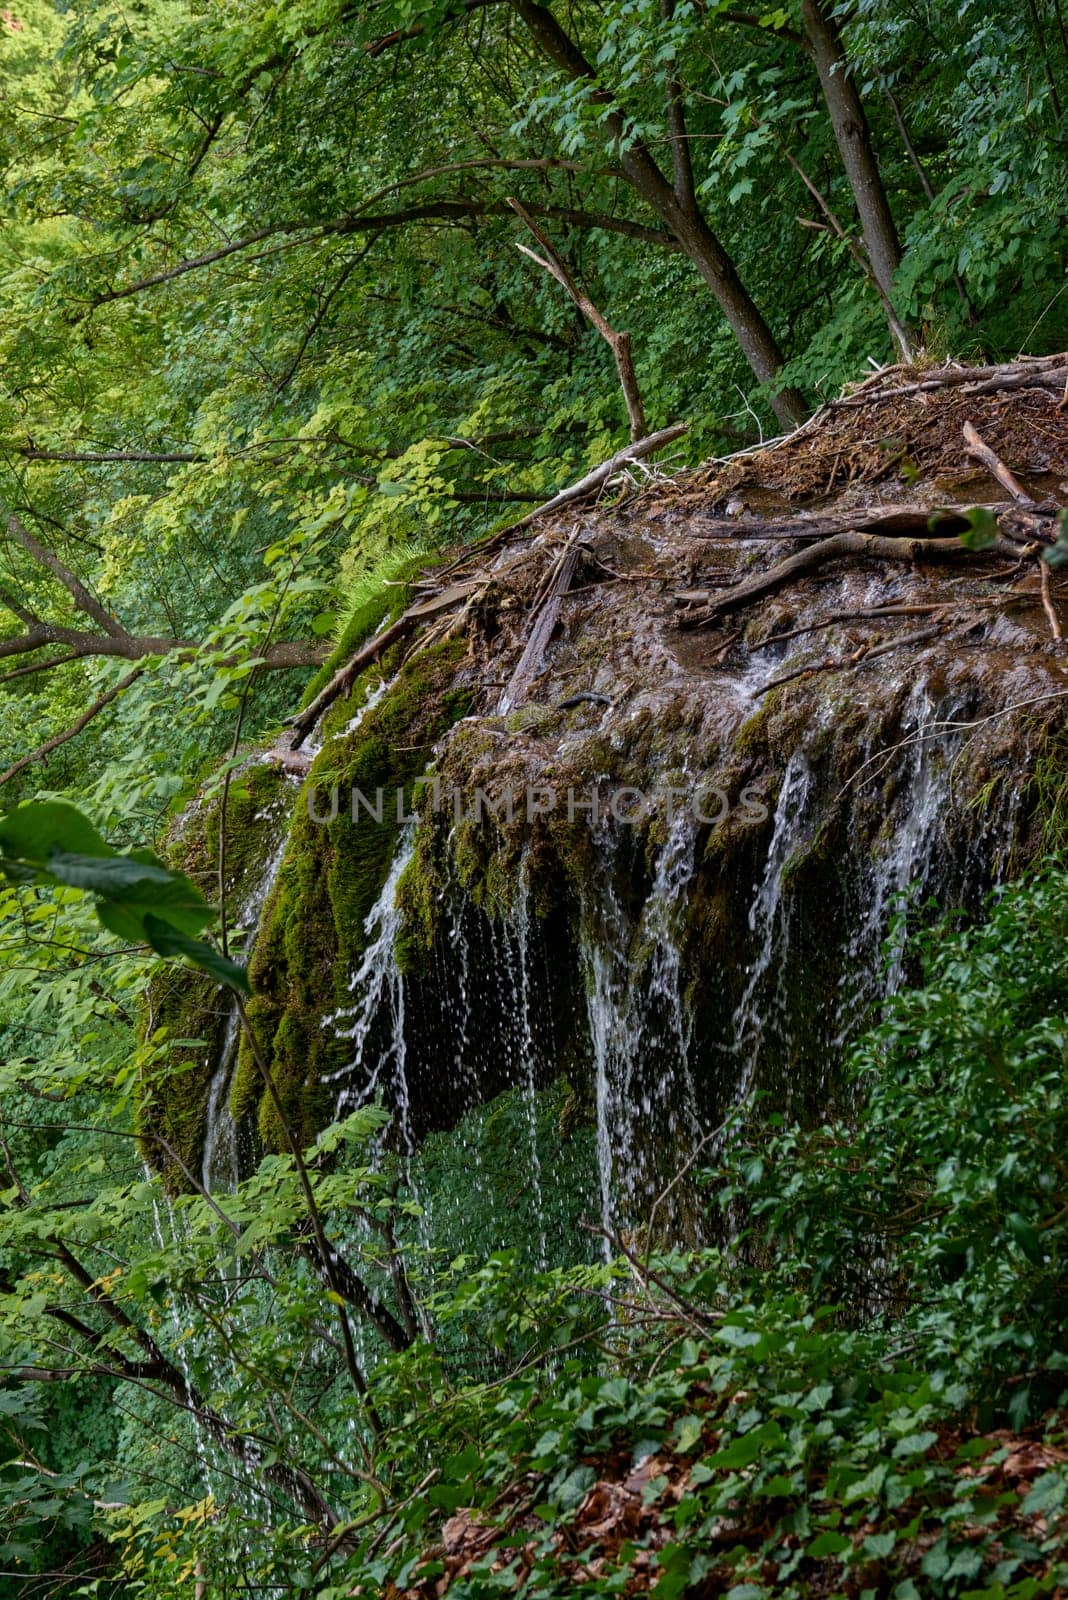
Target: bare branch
99	458
98	705
454	210
618	343
136	647
77	590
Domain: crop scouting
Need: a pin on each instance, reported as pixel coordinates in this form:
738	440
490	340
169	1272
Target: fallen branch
898	519
576	491
1039	372
979	450
1048	605
858	658
869	614
546	611
345	677
840	546
98	705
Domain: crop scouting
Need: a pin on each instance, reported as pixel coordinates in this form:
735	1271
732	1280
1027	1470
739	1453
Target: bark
77	590
853	138
686	224
45	750
136	647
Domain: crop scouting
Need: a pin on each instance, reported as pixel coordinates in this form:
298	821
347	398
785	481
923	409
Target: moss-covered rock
337	859
185	1015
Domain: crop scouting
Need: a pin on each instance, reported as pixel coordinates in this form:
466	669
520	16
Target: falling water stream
661	1064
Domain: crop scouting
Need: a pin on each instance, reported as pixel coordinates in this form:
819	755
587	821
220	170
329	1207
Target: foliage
866	1388
135	896
267	345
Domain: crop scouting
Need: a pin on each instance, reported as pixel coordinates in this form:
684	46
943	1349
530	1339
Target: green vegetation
268	353
866	1390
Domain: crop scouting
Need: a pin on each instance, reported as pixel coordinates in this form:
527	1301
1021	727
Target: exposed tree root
839	547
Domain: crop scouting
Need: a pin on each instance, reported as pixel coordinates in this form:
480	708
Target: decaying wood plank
547	610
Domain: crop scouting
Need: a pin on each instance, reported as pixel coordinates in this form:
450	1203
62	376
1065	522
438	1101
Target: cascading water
763	1011
220	1166
639	1027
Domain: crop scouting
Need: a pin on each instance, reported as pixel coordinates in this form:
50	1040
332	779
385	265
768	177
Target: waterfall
763	1009
378	984
639	1027
220	1165
665	1027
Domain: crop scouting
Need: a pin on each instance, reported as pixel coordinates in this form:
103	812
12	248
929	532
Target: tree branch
137	647
454	210
838	547
99	458
75	588
57	739
618	343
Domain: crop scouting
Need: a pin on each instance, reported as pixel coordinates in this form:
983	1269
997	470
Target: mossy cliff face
312	929
660	871
187	1015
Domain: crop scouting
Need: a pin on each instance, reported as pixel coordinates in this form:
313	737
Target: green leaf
167	941
36	828
688	1432
1047	1494
982	531
1026	1235
828	1544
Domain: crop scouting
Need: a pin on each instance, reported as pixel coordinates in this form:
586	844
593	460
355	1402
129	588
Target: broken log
980	451
895	518
548	610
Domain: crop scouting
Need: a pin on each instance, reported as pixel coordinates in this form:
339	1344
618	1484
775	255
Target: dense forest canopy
276	331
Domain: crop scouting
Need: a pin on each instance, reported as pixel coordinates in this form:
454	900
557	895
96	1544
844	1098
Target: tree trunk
853	137
689	227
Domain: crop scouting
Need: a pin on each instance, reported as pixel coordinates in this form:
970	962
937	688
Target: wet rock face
644	862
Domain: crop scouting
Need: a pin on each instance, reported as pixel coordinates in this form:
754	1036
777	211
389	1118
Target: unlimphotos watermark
705	801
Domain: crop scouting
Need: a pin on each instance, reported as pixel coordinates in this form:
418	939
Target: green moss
386	601
185	1006
184	1018
312	929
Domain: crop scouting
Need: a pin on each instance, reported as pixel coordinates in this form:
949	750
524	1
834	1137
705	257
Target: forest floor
822	552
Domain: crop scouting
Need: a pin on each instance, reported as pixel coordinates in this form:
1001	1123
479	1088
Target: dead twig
1048	604
619	343
979	450
864	654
